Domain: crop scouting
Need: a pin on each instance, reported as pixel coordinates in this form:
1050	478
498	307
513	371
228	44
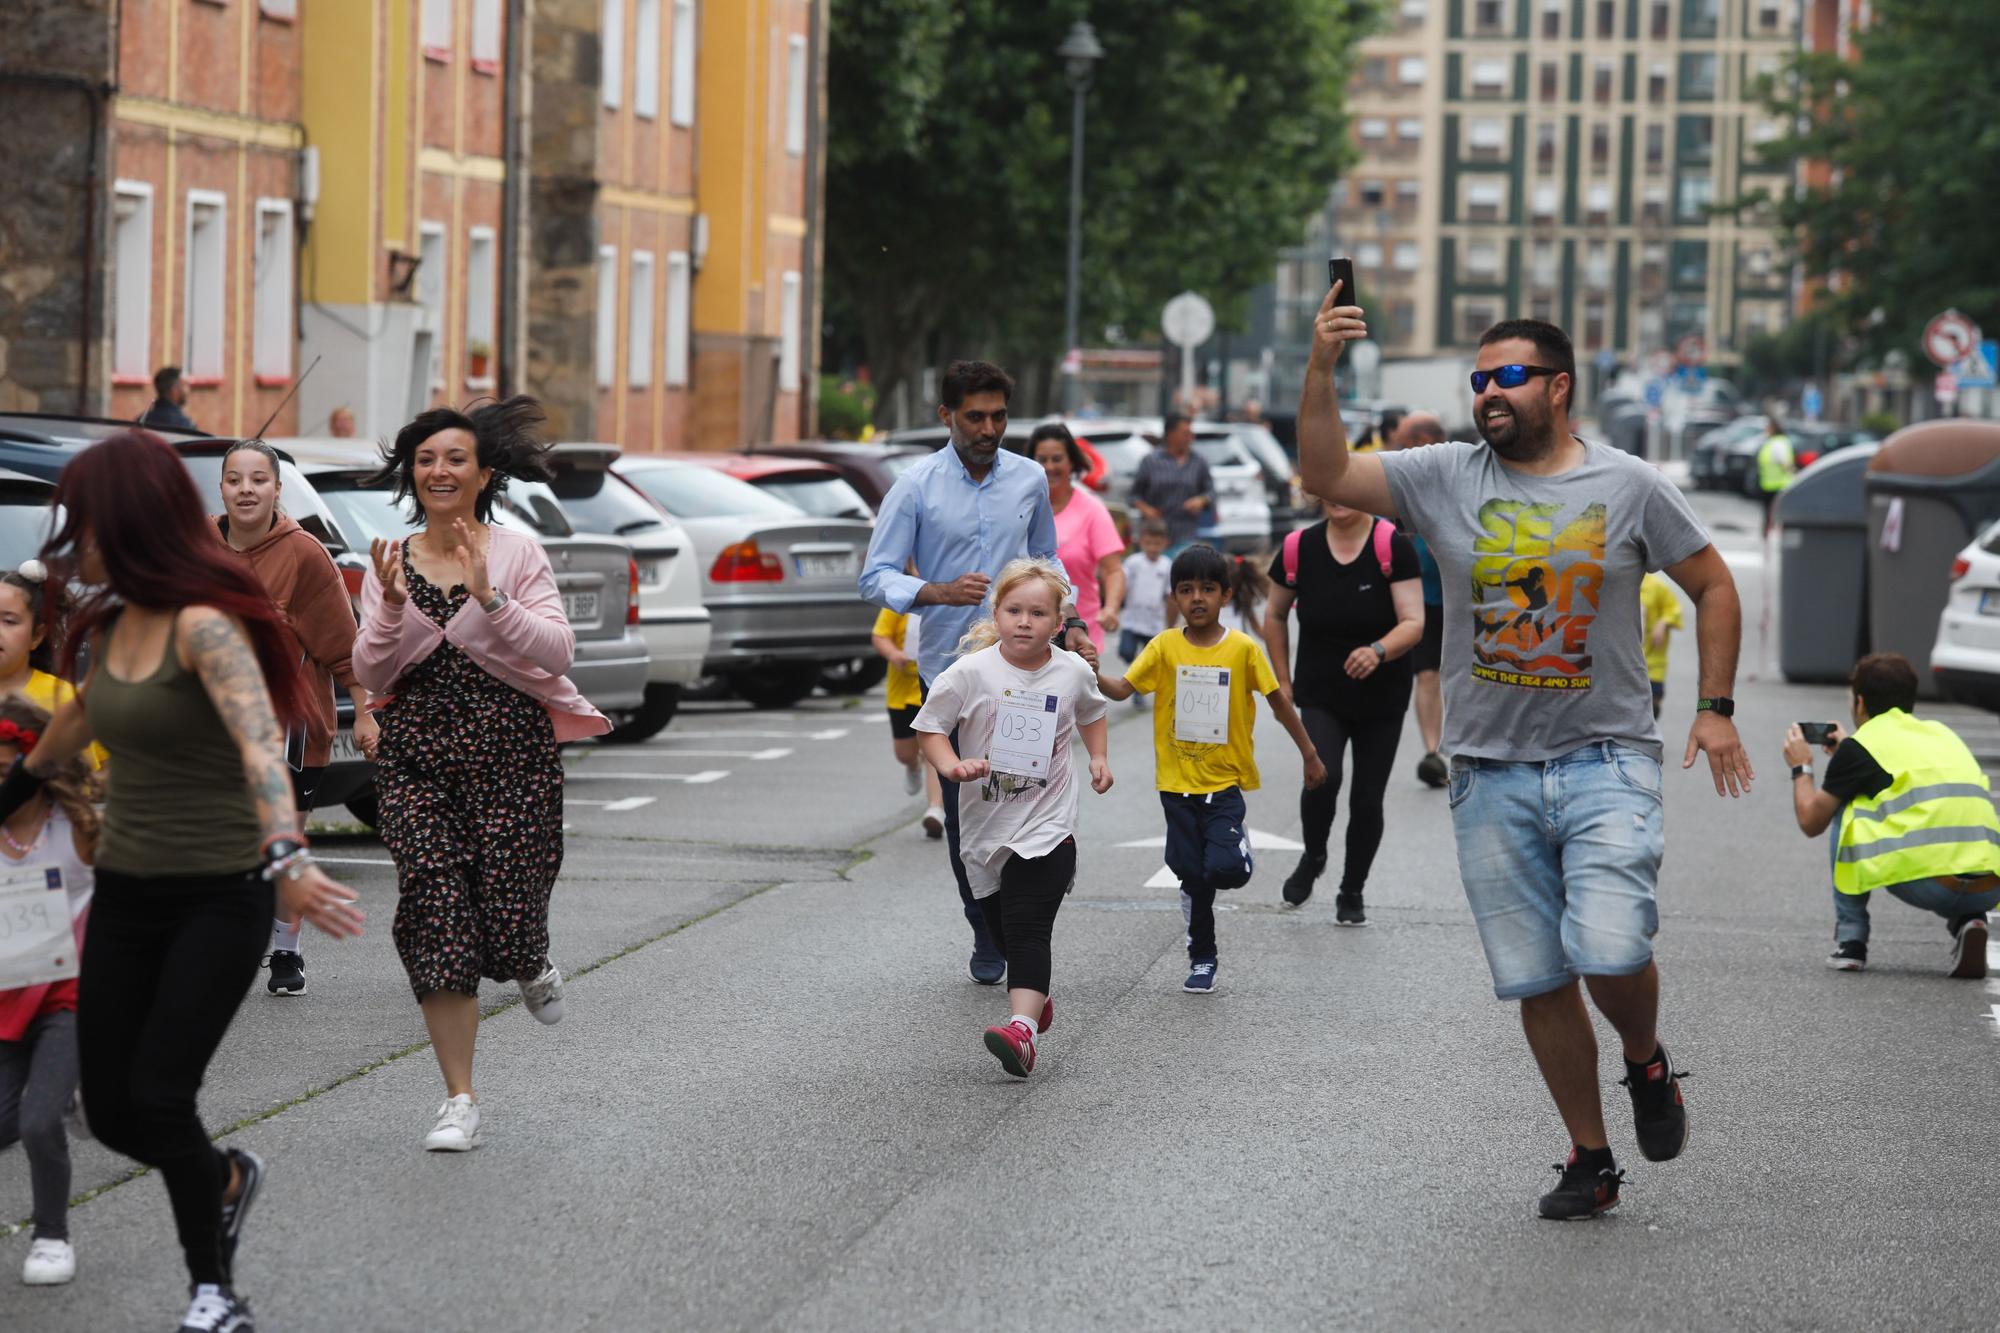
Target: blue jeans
1131	643
1850	910
1207	850
1560	860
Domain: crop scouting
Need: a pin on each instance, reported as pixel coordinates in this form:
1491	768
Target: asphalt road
768	1105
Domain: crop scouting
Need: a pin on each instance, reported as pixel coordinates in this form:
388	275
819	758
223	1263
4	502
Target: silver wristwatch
499	600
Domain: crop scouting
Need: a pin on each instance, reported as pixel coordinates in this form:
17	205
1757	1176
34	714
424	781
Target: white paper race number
1201	704
36	942
1024	733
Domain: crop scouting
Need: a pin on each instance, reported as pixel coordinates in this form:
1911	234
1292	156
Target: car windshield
297	496
688	490
897	464
1222	451
597	501
821	496
25	522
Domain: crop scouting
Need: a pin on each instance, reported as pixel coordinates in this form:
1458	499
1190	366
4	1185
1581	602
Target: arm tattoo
235	683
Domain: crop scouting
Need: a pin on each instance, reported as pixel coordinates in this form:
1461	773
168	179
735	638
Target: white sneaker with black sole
457	1127
1968	949
544	995
50	1263
216	1309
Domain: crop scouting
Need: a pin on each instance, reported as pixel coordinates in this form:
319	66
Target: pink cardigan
527	643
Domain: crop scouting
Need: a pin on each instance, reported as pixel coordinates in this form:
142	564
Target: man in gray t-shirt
1556	783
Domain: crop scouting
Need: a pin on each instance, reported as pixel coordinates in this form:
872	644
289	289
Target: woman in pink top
464	640
1086	538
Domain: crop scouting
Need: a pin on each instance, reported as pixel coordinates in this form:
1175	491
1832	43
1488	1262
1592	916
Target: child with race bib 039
1206	679
1015	701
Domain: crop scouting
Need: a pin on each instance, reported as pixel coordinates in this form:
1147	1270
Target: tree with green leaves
1215	131
1902	153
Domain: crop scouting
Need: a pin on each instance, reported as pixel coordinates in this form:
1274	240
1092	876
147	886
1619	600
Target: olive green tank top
178	803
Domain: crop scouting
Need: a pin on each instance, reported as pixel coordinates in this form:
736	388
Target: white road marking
1259	840
664	753
691	779
832	734
616	807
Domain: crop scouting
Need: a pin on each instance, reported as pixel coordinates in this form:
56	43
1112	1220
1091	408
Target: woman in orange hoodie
302	580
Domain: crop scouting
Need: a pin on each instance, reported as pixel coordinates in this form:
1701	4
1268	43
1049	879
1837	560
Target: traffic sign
1188	320
1692	350
1949	338
1977	370
1946	388
1810	402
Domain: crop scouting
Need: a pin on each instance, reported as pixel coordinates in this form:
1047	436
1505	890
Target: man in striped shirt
1173	484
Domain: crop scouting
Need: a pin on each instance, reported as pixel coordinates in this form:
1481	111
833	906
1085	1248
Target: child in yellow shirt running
896	642
1662	612
1206	679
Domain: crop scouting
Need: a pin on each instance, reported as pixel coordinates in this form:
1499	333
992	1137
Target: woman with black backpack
1354	581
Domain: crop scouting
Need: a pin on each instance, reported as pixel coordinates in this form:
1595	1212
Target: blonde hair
1047	572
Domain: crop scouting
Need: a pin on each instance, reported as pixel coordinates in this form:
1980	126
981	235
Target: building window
1545	201
1698	76
1765	131
1756	321
646	59
790	335
1693	192
1410	130
436	32
1489	16
1407	194
1662	20
639	322
795	96
1593	324
1552	19
607	316
1483	200
1603	78
1652	326
680	315
1597	203
1482	260
1408	258
1696	135
1374	129
1690	264
1475	317
1607	18
1370	194
1542	308
1653	210
1656	147
1489	78
206	287
1545	147
482	288
1549	86
1402	321
1700	18
1486	138
1374	72
1600	147
1542	264
1414	11
1597	265
1756	266
1410	71
271	305
486	35
1652	265
611	43
1768	15
430	293
1368	255
1656	83
682	111
132	281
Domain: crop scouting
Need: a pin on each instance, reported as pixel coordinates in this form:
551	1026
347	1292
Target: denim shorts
1560	859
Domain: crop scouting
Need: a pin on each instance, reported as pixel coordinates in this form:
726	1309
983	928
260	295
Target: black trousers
1021	917
1374	741
166	962
1207	850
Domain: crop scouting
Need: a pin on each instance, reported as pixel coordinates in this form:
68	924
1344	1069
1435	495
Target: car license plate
345	751
1989	602
649	573
826	566
580	607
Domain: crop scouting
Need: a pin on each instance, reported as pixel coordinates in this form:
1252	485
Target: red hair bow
18	736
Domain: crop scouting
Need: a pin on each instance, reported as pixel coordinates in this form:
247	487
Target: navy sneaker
987	965
1584	1191
1201	979
1848	956
235	1211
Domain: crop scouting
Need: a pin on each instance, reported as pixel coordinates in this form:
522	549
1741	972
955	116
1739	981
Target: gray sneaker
544	995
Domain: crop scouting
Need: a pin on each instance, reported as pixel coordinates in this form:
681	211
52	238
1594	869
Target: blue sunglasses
1510	377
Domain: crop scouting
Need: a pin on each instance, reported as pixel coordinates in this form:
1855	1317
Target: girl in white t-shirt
1015	701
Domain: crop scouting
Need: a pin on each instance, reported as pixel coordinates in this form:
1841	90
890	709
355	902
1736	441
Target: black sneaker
1968	947
213	1309
1848	956
1658	1117
1347	910
288	973
1432	770
1299	884
1584	1191
235	1211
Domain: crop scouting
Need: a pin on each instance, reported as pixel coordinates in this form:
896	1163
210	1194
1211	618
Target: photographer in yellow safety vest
1913	812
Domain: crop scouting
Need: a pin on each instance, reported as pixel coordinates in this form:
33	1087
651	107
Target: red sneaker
1048	1014
1014	1045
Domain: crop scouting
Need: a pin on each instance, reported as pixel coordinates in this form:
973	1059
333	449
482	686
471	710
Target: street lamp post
1080	52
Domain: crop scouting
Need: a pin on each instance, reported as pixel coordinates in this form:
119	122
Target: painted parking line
691	779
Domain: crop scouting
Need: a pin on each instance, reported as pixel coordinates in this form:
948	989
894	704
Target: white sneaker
544	995
216	1309
457	1128
934	822
913	779
50	1263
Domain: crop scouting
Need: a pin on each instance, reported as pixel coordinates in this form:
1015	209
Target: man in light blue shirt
960	516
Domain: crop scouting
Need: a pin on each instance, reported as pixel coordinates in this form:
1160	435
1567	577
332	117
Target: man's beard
1517	439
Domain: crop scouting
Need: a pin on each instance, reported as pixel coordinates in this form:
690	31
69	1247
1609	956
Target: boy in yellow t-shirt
896	641
1662	612
1206	679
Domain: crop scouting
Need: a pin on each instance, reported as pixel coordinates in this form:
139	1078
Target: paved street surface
768	1105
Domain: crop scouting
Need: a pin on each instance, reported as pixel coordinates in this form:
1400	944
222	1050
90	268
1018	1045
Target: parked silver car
778	583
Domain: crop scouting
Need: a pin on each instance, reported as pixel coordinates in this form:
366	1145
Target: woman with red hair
190	687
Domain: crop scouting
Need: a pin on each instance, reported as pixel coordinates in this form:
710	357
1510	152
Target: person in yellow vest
1913	815
1777	464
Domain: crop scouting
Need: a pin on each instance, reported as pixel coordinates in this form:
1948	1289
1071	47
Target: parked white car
1966	657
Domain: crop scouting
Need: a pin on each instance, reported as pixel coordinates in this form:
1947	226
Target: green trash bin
1823	568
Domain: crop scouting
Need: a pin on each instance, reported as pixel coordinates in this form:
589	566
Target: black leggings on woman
1021	917
1374	740
166	962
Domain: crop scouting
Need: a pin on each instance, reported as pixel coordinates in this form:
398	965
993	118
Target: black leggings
1374	740
166	962
1021	917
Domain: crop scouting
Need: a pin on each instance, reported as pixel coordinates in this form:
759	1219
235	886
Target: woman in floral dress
464	645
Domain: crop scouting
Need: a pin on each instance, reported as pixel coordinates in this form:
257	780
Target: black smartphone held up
1818	733
1341	270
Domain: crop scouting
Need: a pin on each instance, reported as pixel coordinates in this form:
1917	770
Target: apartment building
1557	159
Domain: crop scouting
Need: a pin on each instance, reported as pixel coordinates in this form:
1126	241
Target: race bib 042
1201	704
